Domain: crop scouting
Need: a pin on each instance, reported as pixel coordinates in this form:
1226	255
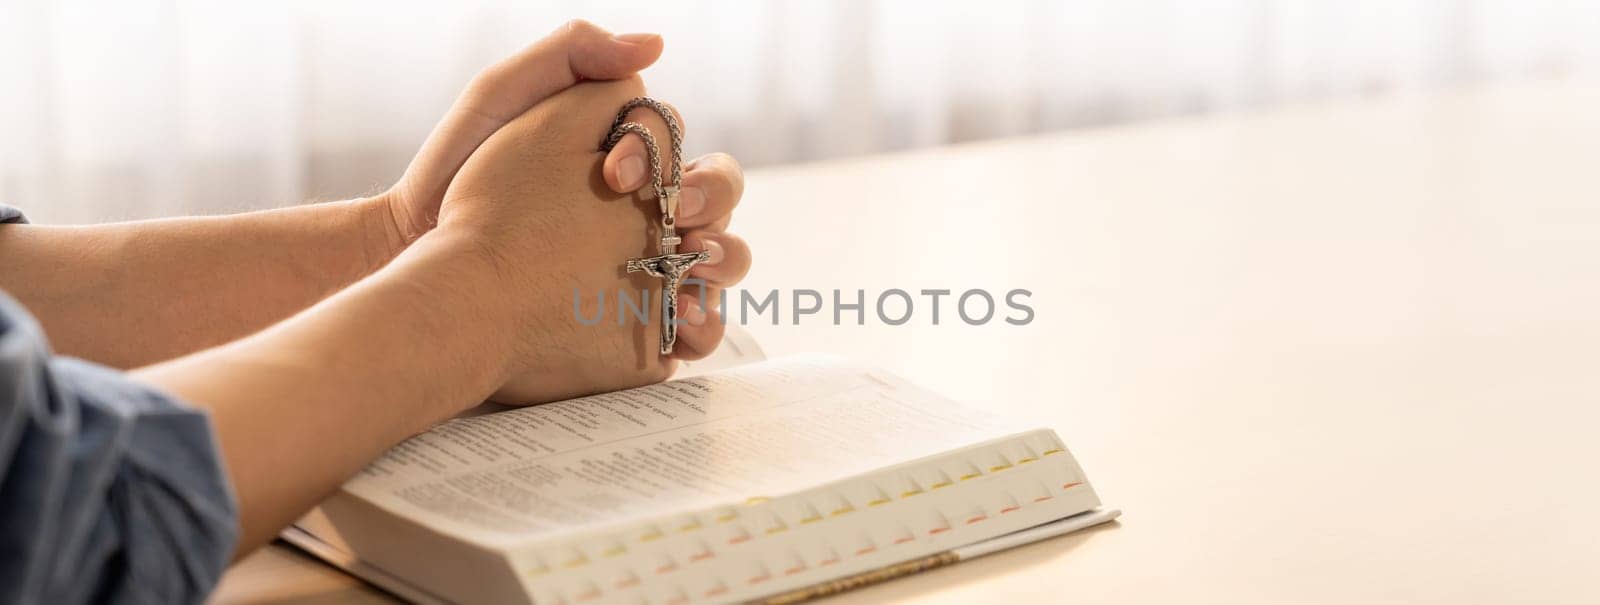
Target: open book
773	480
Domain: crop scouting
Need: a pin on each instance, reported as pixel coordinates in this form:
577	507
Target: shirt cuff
110	490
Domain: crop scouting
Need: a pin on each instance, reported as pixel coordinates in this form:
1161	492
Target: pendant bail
669	202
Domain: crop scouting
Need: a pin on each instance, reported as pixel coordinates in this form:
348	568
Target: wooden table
1341	353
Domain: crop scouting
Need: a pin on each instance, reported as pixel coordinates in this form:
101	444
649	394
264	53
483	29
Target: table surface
1338	353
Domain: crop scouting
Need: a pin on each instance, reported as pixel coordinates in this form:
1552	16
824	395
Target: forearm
130	294
303	405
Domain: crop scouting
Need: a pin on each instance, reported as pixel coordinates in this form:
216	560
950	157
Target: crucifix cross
670	267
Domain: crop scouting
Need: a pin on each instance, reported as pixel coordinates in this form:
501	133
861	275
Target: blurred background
147	108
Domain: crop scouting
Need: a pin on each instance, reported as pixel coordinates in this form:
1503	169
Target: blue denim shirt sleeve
110	491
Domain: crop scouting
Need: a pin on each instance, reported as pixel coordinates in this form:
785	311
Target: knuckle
725	164
728	160
577	27
727	173
488	80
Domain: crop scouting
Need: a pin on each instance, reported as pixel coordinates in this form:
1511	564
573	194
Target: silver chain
621	127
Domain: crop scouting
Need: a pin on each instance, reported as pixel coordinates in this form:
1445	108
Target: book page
758	430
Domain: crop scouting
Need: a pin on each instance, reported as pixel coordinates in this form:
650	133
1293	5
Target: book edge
356	567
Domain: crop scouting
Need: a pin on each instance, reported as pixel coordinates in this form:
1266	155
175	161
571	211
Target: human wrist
458	274
375	226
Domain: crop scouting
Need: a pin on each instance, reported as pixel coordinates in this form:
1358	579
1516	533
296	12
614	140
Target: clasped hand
318	336
513	173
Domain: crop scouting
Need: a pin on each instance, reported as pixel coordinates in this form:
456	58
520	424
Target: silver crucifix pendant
670	267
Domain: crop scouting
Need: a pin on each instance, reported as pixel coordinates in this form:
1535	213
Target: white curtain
157	107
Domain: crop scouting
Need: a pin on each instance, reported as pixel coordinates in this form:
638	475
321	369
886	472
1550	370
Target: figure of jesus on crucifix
670	267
